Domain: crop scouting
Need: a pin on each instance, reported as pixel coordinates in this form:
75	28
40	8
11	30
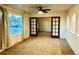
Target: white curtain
5	39
6	28
0	29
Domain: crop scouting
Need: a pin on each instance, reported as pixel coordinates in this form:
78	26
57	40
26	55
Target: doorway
33	26
55	27
45	26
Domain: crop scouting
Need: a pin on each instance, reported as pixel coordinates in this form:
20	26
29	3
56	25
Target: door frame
58	27
36	25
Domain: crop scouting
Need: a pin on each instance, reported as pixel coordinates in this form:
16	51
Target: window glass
15	24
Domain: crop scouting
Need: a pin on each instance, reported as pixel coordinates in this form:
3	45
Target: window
72	23
15	24
67	23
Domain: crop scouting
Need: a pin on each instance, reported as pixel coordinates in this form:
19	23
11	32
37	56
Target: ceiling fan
41	10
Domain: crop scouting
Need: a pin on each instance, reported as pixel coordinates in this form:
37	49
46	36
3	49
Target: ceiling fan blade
39	8
47	9
44	11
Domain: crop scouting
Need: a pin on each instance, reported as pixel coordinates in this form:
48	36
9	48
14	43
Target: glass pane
53	19
56	23
34	23
53	30
57	30
32	26
56	19
34	32
32	29
53	23
15	24
53	33
34	20
53	26
56	34
56	26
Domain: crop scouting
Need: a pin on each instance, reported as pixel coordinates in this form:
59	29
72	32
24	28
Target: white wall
62	19
26	26
72	30
45	24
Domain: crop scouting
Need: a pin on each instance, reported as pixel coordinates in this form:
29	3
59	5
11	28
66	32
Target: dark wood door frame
55	25
35	28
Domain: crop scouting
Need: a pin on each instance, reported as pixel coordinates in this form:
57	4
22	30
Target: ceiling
32	8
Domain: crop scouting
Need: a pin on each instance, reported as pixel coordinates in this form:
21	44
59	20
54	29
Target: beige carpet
41	45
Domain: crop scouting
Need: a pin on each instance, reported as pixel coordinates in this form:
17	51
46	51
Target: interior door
55	27
33	26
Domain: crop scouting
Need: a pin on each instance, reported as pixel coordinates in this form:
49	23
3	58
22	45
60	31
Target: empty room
39	29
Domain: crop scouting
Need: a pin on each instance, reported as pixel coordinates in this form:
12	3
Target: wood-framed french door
33	26
55	27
